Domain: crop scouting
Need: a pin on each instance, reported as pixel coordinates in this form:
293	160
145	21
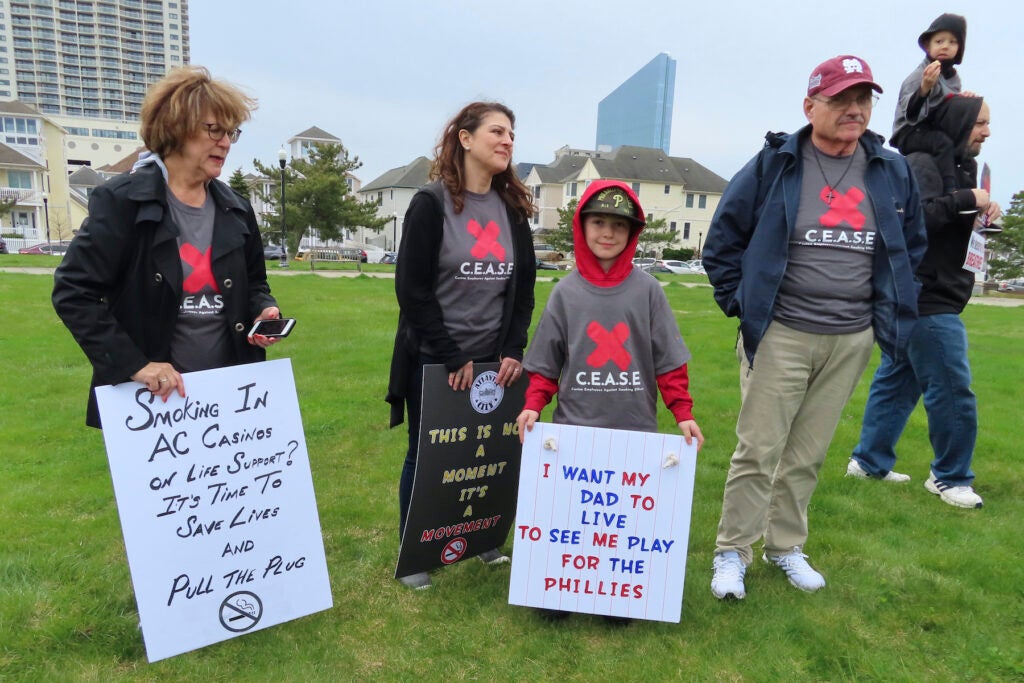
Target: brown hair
450	163
174	106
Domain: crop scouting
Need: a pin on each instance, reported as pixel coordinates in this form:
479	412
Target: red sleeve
674	386
540	391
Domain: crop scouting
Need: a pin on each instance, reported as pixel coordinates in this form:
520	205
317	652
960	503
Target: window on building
668	189
21	180
686	231
689	200
672	226
636	189
702	201
536	191
571	189
536	218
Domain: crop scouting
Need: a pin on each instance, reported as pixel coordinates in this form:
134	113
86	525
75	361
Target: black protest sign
467	470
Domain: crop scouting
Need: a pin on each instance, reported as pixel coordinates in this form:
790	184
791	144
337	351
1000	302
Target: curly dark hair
449	160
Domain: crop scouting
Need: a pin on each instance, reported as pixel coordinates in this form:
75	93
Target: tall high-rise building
86	65
639	112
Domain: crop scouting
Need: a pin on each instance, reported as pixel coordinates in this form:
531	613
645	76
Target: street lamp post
394	232
46	215
282	159
700	236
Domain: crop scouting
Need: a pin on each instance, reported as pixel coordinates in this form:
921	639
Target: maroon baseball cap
839	73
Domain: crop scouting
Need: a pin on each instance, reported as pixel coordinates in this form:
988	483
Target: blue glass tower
639	112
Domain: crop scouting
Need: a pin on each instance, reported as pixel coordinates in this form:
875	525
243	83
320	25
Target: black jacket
118	288
945	285
420	316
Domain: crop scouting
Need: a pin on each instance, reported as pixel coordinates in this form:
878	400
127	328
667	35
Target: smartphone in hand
273	327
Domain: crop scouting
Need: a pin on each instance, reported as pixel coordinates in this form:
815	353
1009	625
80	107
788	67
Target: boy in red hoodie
607	340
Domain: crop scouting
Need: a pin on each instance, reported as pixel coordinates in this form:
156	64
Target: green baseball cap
614	201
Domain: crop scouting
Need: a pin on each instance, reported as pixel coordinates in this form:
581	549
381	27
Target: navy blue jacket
747	248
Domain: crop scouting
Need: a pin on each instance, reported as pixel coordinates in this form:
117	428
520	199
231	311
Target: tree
1007	247
652	239
317	196
5	210
655	237
238	183
561	237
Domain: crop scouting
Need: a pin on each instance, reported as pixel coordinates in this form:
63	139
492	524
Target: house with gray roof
391	192
678	189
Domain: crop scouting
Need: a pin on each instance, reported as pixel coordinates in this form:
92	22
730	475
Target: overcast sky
384	76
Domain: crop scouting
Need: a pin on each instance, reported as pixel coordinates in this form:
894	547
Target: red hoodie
586	263
674	385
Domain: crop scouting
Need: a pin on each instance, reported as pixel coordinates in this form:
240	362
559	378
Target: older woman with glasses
166	275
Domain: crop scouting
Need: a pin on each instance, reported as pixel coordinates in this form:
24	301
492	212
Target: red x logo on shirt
202	274
842	207
609	345
486	240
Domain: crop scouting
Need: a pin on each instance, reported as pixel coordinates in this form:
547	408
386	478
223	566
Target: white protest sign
603	521
217	505
975	260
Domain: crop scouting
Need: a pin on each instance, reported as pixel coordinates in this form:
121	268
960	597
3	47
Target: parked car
389	257
546	252
1006	287
53	248
644	263
544	265
696	266
273	252
678	267
3	246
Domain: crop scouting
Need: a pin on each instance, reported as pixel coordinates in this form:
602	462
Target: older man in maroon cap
813	247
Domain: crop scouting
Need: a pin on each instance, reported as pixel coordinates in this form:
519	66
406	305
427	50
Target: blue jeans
937	368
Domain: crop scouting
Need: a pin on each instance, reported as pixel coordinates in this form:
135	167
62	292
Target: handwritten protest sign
603	522
217	506
467	470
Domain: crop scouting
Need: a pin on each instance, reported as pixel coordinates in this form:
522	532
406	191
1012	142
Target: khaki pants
791	404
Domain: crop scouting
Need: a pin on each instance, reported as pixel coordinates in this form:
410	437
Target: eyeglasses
843	102
216	132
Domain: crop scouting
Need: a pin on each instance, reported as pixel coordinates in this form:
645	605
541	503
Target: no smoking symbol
241	611
455	549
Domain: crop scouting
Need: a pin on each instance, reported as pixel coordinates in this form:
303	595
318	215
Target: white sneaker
854	469
727	581
959	496
801	574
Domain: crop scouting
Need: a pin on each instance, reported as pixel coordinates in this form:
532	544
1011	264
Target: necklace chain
832	188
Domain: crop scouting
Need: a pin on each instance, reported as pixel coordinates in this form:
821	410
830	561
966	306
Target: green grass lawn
917	590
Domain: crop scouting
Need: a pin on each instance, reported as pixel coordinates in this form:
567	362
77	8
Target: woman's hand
161	379
509	372
260	340
525	422
461	378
